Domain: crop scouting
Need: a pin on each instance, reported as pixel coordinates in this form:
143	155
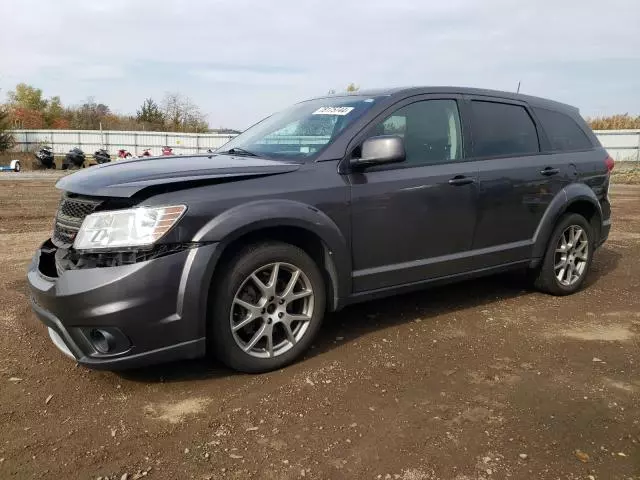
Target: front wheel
266	307
568	256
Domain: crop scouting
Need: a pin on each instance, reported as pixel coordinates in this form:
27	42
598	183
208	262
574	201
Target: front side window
563	132
501	129
302	130
430	129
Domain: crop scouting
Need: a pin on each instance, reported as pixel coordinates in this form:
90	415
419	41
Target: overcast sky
241	59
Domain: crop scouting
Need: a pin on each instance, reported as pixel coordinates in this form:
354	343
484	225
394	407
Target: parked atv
102	156
124	154
45	157
74	159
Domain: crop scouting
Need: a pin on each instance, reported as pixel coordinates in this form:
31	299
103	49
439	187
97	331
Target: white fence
91	140
622	145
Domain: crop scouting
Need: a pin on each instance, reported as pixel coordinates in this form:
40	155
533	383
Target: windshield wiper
239	151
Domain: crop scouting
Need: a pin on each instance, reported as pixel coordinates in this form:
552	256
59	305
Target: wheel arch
290	222
575	198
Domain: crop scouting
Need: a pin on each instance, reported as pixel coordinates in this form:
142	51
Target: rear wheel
266	307
568	256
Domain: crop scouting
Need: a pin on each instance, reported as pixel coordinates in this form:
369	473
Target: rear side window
501	129
564	133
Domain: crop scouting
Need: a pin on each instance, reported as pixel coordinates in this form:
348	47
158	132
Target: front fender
576	192
250	217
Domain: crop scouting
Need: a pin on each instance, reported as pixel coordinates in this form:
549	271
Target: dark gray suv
336	200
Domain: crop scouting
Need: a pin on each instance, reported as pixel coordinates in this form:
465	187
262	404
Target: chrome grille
71	213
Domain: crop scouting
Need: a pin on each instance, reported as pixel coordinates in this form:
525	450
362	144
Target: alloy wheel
271	310
572	253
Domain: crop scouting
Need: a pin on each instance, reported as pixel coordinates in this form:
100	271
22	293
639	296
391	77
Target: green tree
352	87
27	97
6	137
150	113
54	111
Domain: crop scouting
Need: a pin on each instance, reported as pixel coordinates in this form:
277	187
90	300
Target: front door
414	220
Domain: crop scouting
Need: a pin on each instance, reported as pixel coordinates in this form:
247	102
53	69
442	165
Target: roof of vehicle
407	91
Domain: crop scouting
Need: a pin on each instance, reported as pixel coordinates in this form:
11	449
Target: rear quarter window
564	134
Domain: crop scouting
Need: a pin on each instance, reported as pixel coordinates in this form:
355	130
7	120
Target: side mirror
380	150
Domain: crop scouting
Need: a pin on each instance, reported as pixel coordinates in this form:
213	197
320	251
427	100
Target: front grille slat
71	213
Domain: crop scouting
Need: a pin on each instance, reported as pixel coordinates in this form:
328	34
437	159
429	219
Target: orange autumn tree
22	117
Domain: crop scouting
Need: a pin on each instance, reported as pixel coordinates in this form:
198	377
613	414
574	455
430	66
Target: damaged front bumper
125	316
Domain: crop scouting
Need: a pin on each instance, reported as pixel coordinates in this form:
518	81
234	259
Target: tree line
27	108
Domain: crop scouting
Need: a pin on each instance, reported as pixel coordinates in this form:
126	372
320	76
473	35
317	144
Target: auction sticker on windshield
333	111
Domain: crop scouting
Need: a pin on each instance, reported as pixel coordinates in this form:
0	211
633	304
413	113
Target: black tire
545	278
221	341
17	167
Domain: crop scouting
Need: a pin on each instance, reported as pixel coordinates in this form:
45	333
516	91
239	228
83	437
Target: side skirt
411	287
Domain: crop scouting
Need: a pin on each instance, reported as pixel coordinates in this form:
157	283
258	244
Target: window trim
550	148
357	139
543	142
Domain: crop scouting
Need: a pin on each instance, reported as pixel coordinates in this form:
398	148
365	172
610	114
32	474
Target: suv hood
125	178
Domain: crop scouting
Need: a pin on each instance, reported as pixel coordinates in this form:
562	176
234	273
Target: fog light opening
102	340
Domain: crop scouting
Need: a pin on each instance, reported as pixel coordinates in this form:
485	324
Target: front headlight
135	227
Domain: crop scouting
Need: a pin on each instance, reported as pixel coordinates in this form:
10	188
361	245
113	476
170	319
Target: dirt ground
480	380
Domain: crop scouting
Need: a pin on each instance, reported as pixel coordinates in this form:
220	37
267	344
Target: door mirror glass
381	150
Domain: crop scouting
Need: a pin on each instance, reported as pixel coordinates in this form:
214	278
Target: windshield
300	131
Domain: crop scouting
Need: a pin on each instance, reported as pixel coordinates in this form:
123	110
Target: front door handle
549	171
460	180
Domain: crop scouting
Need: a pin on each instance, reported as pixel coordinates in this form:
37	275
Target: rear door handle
549	171
461	180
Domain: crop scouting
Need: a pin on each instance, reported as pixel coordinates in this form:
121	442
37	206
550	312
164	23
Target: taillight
609	163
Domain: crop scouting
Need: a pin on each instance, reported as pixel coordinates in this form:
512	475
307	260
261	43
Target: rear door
414	220
517	181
